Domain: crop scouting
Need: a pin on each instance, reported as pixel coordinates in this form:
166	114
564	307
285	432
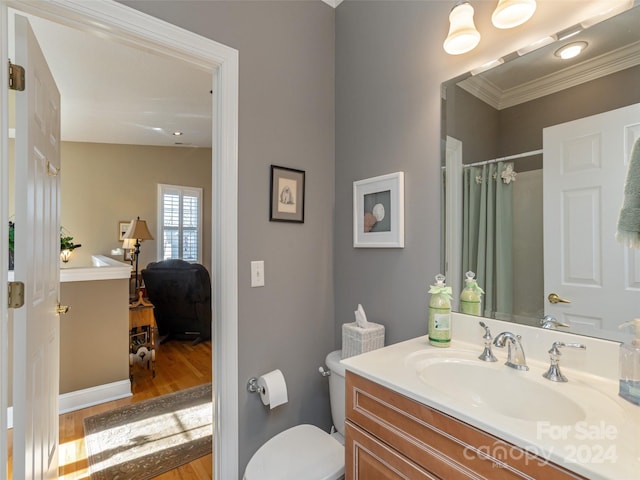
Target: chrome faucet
550	322
554	374
515	354
487	355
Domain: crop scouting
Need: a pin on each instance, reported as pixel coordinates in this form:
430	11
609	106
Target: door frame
126	25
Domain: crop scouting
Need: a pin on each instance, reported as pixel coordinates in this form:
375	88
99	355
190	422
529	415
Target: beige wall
94	334
103	184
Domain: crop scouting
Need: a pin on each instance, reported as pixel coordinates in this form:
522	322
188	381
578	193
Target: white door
36	325
585	166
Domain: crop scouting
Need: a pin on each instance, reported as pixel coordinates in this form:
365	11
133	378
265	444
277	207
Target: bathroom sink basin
516	394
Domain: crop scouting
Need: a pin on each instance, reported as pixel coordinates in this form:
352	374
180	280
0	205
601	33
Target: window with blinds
180	221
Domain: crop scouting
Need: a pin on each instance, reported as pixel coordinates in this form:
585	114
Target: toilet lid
303	451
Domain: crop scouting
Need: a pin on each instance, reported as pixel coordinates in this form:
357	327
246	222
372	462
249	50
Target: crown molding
333	3
605	64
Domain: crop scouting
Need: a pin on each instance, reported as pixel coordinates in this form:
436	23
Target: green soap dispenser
471	296
630	365
440	313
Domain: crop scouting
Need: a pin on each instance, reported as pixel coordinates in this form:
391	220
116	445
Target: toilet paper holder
253	387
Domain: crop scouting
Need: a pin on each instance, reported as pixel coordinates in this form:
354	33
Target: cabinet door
435	442
370	459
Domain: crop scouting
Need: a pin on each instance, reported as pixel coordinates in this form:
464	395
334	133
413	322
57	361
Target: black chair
181	294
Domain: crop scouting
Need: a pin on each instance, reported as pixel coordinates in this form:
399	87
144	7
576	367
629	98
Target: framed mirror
515	138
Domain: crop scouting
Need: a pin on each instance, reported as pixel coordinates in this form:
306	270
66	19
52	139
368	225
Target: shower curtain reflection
487	235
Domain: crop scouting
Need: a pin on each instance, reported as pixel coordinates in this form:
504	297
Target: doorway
126	25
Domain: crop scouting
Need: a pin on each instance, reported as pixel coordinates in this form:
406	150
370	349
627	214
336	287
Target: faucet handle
549	321
555	347
487	355
487	332
554	374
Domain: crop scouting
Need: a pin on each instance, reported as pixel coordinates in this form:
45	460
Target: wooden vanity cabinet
389	436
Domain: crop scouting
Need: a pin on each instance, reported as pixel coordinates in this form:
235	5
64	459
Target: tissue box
356	340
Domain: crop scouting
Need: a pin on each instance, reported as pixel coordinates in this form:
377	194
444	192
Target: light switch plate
257	273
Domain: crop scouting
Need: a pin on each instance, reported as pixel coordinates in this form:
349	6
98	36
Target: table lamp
139	231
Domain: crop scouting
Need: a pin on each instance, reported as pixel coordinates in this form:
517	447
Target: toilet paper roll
273	389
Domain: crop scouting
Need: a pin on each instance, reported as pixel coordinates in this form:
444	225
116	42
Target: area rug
145	439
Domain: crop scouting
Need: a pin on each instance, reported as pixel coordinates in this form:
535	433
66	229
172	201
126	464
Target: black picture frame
286	195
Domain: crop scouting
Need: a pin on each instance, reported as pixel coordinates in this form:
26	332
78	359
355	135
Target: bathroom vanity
420	412
393	437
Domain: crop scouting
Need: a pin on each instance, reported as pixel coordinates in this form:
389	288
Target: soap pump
630	365
470	298
440	313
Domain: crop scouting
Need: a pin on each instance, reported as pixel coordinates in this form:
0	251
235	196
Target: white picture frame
378	212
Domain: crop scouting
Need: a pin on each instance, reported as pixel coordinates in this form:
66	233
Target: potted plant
66	245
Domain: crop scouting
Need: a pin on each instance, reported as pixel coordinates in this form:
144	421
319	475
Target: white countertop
101	268
603	444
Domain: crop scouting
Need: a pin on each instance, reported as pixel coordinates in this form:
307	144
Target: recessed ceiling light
571	50
177	133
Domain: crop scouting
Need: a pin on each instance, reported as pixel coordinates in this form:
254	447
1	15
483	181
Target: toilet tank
337	389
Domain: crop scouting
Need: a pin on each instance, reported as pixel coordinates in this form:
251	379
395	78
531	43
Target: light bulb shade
511	13
138	229
463	36
65	255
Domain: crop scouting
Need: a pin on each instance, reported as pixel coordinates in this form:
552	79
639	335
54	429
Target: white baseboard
69	402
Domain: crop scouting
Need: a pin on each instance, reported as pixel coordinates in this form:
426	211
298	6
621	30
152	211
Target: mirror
496	118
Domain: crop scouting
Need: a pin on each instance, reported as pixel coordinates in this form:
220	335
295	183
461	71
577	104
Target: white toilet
305	451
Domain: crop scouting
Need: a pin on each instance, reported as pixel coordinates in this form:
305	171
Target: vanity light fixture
511	13
463	36
177	133
571	50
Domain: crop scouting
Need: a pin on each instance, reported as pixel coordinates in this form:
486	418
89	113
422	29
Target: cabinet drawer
437	442
368	458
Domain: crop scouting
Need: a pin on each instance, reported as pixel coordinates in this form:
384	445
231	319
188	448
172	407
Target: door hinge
16	294
16	77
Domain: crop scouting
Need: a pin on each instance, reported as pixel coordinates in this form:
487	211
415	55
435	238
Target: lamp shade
511	13
463	36
138	229
129	243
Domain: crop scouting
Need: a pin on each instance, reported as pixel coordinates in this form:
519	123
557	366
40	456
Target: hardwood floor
178	366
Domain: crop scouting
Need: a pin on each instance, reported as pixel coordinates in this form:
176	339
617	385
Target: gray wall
521	126
389	65
286	118
473	122
389	68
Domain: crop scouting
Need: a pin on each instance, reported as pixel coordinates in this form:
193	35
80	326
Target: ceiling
613	45
113	93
